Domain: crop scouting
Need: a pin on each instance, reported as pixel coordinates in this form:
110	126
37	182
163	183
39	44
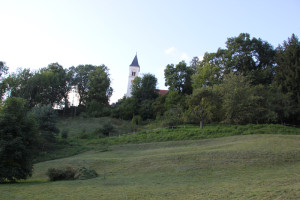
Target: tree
254	58
99	85
144	88
81	80
173	117
18	85
239	100
3	69
207	74
48	86
46	117
127	108
202	105
144	93
174	99
287	71
18	136
53	84
179	78
99	91
195	62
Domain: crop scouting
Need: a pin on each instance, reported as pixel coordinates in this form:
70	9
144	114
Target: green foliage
81	80
178	78
144	88
207	73
104	130
203	105
239	100
173	117
125	108
136	120
47	119
188	132
48	86
253	58
64	133
3	68
287	76
55	174
18	137
99	85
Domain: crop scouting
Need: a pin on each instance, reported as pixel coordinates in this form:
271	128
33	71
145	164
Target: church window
133	73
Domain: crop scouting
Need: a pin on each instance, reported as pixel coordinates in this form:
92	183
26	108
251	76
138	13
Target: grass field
234	167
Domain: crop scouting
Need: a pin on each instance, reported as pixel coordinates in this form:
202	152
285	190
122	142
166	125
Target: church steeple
135	62
134	70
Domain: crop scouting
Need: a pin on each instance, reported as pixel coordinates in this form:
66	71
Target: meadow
252	166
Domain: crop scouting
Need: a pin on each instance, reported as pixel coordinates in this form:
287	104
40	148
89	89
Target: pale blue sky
35	33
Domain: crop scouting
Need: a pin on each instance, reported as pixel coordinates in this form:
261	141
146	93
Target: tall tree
99	88
179	78
99	91
144	88
81	80
288	72
18	134
254	58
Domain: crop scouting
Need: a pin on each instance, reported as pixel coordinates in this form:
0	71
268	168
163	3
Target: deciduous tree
18	134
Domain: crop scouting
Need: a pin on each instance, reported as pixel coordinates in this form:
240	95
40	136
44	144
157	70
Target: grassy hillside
236	167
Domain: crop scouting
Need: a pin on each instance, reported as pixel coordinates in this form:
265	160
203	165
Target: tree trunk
201	121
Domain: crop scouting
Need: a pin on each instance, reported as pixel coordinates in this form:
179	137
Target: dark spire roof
135	62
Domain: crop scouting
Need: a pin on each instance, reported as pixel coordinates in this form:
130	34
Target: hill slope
237	167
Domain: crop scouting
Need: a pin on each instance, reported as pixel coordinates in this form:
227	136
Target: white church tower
134	70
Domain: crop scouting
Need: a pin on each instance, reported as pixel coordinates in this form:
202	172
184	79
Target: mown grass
236	167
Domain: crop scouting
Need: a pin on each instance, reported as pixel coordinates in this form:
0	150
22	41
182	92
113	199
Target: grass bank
236	167
192	132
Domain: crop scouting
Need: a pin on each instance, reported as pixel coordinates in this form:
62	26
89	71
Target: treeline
247	82
51	86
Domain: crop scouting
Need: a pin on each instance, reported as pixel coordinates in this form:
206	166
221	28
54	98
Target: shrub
55	174
64	133
104	130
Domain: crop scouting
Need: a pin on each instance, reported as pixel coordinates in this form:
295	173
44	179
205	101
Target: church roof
135	62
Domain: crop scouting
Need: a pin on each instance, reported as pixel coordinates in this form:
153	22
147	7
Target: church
134	70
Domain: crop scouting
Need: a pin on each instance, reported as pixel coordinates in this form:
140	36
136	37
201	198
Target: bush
69	173
55	174
104	130
64	133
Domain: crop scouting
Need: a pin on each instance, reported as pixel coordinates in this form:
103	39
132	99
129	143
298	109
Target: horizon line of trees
247	82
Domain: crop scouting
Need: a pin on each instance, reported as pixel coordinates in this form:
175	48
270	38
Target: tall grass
191	132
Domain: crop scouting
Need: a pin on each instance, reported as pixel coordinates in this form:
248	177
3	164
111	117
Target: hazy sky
35	33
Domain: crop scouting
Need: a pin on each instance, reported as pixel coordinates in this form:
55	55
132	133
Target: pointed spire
135	61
